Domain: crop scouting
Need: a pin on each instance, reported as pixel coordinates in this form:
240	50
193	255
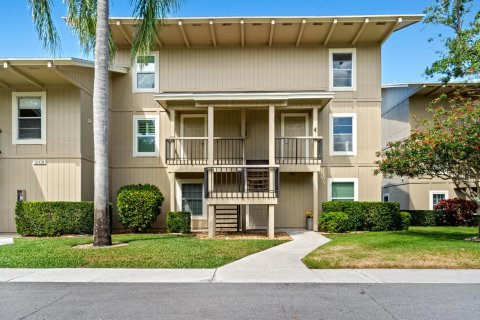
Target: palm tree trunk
101	233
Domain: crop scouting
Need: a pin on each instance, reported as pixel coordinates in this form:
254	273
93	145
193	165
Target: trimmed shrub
423	218
406	217
53	218
139	206
334	222
178	221
371	216
456	212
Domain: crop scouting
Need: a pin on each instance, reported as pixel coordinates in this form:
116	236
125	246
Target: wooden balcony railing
242	182
298	150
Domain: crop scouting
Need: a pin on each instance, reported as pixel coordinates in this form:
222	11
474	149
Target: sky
405	55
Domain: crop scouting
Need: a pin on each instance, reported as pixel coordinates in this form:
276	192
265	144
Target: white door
294	126
194	126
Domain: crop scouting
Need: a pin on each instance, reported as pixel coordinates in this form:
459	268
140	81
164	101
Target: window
343	131
343	189
386	197
342	70
29	118
192	198
145	77
436	197
145	141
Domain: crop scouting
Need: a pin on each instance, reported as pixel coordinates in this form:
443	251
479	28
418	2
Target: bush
371	216
37	218
139	206
456	212
178	221
334	222
423	218
406	218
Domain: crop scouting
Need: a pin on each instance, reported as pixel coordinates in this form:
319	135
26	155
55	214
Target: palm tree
89	20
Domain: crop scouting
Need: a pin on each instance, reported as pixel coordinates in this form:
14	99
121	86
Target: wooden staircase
227	217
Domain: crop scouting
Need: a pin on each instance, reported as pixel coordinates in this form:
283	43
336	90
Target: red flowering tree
445	146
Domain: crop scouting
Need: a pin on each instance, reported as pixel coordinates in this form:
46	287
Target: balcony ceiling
267	31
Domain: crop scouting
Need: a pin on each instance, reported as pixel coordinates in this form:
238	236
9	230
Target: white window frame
332	180
156	153
43	121
354	134
386	195
179	196
353	51
430	196
156	56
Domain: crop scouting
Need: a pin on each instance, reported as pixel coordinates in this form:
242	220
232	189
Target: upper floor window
342	69
343	134
146	140
343	189
436	197
146	73
29	118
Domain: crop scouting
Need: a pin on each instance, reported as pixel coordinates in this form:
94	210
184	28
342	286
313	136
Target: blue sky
404	56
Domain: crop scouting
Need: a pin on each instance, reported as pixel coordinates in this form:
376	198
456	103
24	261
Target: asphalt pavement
238	301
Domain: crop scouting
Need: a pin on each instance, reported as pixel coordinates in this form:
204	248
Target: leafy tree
446	146
89	20
461	57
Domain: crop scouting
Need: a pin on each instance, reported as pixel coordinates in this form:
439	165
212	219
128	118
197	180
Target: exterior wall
412	194
61	177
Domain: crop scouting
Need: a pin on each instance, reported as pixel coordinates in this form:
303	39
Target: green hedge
139	206
406	218
370	216
178	221
54	218
423	218
334	222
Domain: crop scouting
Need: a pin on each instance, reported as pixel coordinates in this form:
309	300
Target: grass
142	251
418	248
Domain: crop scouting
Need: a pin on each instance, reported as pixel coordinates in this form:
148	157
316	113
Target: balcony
298	150
194	151
242	182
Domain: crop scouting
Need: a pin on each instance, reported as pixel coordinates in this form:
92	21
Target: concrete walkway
280	264
6	238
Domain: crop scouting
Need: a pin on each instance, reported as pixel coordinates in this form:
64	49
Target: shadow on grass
151	237
453	233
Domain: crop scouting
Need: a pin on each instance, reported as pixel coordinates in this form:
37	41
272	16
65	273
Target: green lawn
420	247
142	251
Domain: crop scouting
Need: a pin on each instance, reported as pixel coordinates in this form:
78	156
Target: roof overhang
431	89
203	99
267	31
42	72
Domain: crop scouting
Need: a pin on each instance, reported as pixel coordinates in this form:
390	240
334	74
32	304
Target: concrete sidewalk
6	238
280	264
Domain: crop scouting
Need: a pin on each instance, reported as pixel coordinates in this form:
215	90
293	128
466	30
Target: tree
461	57
447	146
89	20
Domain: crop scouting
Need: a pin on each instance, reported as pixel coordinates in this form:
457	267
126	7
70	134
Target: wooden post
243	124
211	221
172	123
210	135
271	135
172	191
271	221
315	130
315	200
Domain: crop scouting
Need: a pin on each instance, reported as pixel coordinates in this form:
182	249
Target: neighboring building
245	122
402	105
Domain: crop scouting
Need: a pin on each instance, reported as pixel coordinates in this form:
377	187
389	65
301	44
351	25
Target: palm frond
148	14
42	19
82	19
